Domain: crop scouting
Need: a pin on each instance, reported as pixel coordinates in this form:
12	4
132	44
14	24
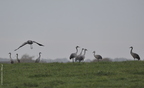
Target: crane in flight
30	42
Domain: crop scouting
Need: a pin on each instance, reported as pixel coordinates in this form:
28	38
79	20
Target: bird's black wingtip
15	50
41	45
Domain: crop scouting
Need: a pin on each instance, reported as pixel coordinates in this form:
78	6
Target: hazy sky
109	27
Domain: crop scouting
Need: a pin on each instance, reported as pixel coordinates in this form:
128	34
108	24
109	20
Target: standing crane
30	42
11	59
73	55
82	57
18	58
38	59
78	56
97	56
134	55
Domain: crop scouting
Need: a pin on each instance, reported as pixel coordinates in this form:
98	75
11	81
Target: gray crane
134	55
97	56
78	56
11	58
18	58
30	42
73	55
38	59
82	57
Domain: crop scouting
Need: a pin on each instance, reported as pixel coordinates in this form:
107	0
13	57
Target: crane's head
9	53
39	52
77	47
17	54
93	51
131	47
85	49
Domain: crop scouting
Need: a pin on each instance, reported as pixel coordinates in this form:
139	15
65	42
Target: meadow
126	74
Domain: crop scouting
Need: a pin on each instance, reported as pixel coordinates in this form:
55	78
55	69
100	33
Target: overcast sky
109	27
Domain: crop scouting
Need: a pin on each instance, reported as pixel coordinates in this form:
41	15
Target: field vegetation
126	74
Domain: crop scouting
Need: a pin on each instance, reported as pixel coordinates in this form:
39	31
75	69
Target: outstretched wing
21	46
38	43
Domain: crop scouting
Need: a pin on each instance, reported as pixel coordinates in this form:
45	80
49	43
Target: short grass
127	74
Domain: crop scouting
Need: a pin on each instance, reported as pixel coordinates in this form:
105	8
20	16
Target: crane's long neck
81	52
94	54
131	50
84	52
17	56
39	55
10	56
76	50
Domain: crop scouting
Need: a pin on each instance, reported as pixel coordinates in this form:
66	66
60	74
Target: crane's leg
83	60
31	46
73	60
79	61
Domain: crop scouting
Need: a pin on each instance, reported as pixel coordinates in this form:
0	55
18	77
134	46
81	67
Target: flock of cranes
81	56
18	60
74	56
30	42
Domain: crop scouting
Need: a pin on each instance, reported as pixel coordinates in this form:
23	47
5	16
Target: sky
108	27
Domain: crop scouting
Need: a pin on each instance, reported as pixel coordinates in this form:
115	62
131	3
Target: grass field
127	74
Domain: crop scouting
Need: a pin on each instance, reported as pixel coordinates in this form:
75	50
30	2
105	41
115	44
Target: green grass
128	74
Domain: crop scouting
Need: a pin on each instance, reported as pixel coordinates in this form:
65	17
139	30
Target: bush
104	59
27	58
